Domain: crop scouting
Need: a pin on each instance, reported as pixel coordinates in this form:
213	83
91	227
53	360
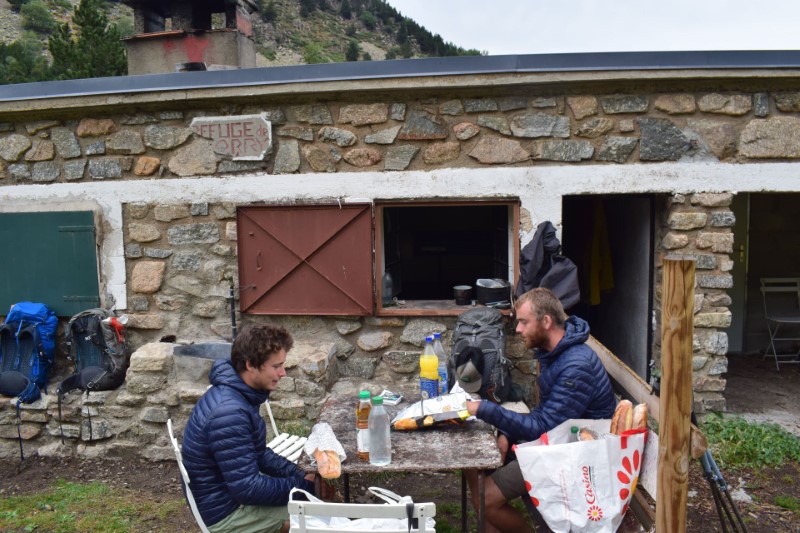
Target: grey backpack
483	328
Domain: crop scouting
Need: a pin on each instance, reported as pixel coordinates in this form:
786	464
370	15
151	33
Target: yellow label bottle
428	371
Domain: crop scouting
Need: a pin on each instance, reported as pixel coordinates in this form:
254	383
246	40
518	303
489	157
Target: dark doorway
610	238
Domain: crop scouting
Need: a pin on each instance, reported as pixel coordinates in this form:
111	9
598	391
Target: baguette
640	416
623	417
328	463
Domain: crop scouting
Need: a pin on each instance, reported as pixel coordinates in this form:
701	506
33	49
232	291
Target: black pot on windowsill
494	295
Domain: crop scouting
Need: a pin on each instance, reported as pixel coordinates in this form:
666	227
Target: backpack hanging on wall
479	338
27	350
97	347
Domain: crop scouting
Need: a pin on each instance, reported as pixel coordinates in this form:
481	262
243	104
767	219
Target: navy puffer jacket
572	384
225	451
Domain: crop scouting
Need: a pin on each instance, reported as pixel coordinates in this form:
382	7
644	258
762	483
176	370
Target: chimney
179	36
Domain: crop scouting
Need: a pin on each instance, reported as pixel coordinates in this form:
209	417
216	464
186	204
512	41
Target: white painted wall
539	190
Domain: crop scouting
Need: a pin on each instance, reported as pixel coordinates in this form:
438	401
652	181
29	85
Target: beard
536	341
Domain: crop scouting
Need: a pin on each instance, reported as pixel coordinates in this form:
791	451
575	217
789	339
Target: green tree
353	51
37	17
22	61
16	5
95	48
306	7
269	13
345	11
366	57
369	20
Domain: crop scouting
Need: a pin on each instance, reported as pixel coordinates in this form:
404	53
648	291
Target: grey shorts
509	480
252	519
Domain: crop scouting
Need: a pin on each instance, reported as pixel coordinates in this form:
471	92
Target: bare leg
285	527
499	515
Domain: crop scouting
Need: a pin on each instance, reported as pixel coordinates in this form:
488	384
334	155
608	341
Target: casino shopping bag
585	485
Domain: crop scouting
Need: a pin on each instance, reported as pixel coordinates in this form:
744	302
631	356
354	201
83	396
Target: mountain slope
296	31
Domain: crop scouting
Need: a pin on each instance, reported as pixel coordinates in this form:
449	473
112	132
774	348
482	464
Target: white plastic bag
586	485
337	523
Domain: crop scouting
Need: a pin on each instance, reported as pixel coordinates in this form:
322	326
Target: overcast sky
553	26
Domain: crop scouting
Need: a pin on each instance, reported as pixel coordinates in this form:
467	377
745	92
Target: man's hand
472	407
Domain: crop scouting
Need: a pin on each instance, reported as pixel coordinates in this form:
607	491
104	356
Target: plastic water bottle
438	349
387	288
362	425
380	444
428	371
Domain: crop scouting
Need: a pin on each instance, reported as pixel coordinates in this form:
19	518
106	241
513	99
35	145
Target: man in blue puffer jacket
238	483
572	384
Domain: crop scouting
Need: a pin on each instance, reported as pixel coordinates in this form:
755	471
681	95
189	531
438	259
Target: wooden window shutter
305	259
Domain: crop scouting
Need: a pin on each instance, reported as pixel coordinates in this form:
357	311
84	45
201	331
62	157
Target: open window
319	260
428	248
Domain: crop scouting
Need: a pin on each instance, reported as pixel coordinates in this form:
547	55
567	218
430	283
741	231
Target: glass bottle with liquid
362	425
428	371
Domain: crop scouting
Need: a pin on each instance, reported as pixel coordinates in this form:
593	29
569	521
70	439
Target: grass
68	507
737	443
788	502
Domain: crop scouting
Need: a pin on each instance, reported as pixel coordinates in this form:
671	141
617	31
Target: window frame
439	307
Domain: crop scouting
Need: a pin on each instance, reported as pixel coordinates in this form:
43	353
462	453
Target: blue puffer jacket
572	384
225	450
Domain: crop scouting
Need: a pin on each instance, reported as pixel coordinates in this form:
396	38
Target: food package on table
326	450
443	410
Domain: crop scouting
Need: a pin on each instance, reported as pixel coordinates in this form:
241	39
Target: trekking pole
233	314
724	489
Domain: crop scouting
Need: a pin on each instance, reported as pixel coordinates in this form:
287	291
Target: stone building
301	186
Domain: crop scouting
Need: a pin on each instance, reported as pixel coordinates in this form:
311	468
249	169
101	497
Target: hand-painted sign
242	137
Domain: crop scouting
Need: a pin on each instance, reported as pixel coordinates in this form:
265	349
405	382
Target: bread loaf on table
328	463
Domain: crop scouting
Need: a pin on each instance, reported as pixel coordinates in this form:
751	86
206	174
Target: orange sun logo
595	513
629	475
533	499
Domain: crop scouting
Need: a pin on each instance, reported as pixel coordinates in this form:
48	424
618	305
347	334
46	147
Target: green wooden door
49	257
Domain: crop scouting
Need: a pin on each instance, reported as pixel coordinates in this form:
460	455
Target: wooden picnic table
470	446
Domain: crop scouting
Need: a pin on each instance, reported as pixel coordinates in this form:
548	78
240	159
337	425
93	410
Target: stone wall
700	226
180	257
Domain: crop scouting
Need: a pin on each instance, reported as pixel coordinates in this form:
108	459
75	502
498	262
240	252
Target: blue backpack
27	350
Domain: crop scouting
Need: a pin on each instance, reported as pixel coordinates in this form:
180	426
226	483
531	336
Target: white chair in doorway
185	476
284	444
782	312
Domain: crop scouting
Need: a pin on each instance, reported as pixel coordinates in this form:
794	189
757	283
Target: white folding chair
781	298
324	510
185	477
285	445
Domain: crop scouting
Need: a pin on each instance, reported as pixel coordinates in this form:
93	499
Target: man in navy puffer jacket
238	483
572	384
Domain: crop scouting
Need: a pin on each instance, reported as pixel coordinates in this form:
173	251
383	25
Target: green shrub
737	443
366	57
369	20
313	53
37	17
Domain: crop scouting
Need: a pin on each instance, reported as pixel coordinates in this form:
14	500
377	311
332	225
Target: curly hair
544	302
257	344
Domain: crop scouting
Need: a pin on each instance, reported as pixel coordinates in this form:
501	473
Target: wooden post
677	304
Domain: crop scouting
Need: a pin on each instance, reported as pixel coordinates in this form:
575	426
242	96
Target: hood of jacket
576	331
223	373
